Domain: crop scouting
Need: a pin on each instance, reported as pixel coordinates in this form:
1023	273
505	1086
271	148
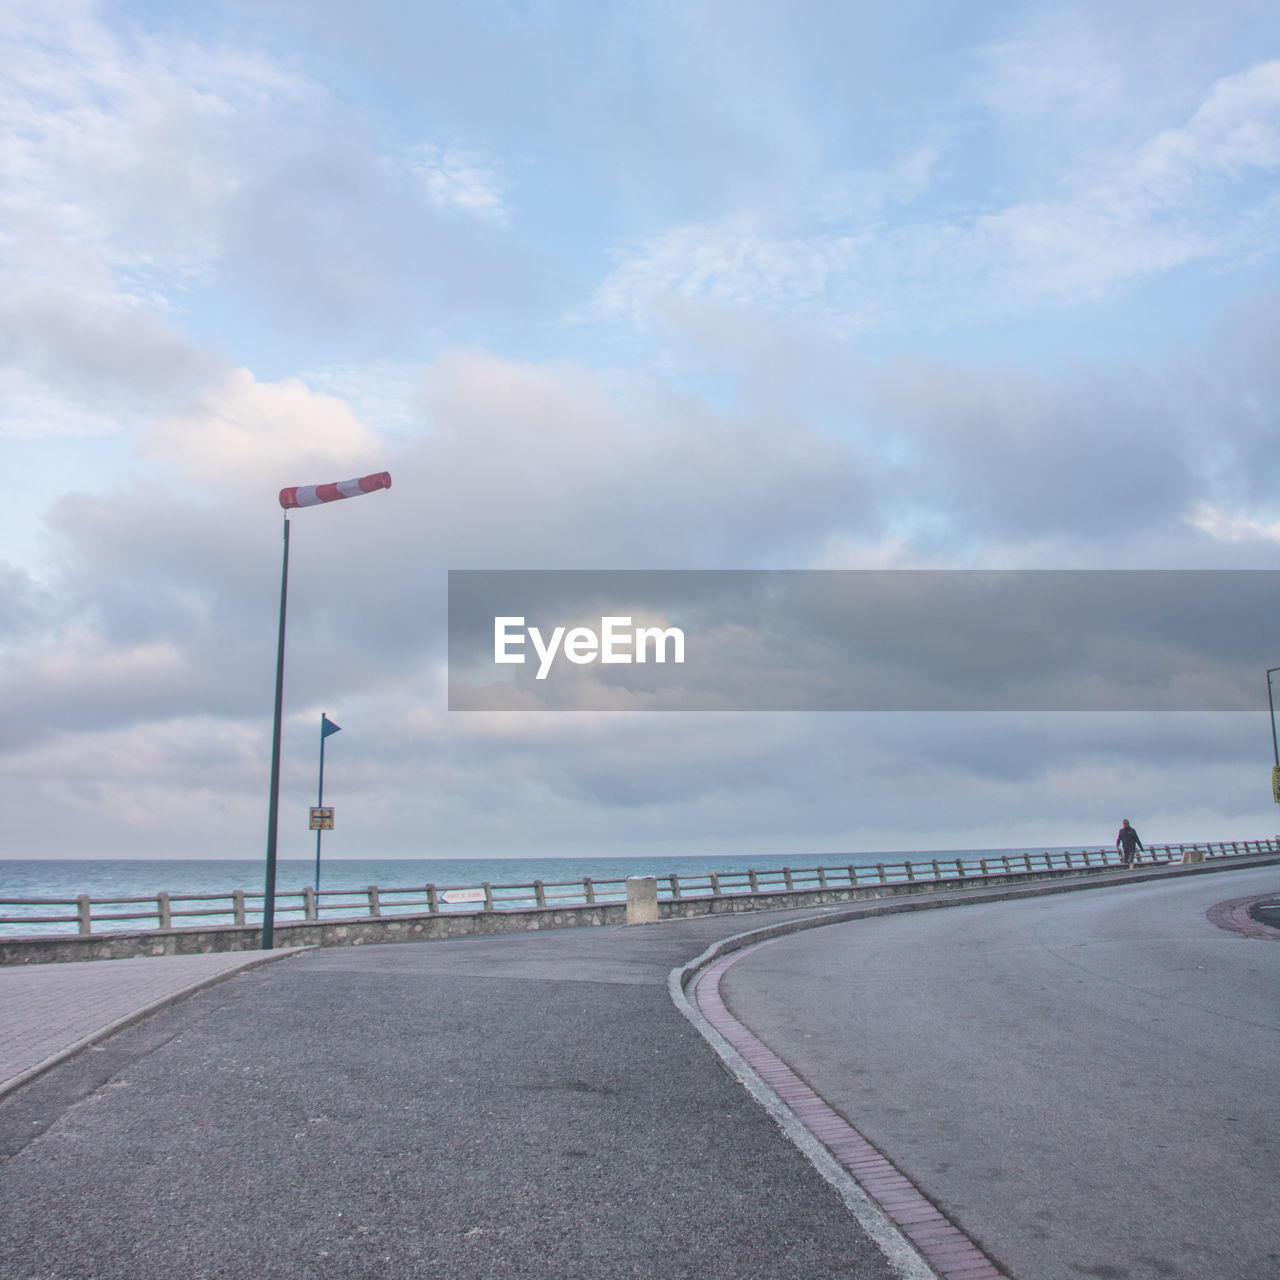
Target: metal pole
273	808
320	800
1272	705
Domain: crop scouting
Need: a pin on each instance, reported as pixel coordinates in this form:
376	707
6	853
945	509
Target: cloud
157	649
146	177
1058	61
330	240
245	428
163	601
24	605
1184	196
641	786
185	787
1235	130
31	409
458	179
123	151
554	466
991	462
1226	526
165	593
78	362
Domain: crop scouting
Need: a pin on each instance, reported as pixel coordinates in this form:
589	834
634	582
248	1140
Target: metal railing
88	915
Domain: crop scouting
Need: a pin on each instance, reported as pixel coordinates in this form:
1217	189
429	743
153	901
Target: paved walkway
50	1011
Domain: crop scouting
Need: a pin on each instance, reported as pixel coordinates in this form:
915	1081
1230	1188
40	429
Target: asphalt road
1086	1082
509	1106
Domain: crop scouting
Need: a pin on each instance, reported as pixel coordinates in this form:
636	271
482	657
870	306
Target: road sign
321	818
462	895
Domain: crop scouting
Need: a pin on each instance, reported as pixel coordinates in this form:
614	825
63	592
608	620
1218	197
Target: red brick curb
944	1246
1234	915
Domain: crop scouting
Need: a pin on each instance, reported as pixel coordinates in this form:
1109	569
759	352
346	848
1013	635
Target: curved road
1086	1082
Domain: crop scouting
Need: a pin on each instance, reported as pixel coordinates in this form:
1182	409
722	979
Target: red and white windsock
312	495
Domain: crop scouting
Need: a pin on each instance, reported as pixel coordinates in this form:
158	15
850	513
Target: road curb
1234	915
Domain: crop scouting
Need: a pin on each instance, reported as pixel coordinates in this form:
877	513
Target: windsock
311	495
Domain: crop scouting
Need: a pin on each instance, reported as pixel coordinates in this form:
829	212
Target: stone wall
419	928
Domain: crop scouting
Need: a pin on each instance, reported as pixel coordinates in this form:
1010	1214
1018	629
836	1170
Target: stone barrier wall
423	927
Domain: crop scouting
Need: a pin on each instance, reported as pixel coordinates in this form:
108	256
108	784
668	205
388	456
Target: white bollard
642	900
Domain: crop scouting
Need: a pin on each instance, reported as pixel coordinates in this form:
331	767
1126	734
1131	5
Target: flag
312	495
327	726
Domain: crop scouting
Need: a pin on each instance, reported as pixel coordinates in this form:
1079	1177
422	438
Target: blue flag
327	726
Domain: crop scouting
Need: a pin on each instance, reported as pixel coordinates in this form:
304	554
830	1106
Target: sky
696	285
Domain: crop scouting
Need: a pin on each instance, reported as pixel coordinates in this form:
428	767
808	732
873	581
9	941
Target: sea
61	882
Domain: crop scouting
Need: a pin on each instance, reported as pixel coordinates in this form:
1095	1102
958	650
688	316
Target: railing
166	910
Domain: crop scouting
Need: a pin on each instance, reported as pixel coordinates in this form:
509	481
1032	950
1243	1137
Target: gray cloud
24	605
99	349
166	596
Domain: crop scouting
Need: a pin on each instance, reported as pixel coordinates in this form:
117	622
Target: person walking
1127	841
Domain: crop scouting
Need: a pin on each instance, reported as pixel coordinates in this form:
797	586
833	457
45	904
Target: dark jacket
1128	838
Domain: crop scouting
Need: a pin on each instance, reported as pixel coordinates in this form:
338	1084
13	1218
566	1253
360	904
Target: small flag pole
320	800
273	808
326	728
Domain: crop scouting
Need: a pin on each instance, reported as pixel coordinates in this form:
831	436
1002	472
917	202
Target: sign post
322	818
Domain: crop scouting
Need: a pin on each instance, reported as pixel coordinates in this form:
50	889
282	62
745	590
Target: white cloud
30	409
1057	62
385	394
1228	526
871	192
458	179
245	428
145	177
1181	197
1235	130
127	149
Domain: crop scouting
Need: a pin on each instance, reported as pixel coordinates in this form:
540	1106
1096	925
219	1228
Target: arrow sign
462	895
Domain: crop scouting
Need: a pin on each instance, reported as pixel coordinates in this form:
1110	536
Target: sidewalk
49	1012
